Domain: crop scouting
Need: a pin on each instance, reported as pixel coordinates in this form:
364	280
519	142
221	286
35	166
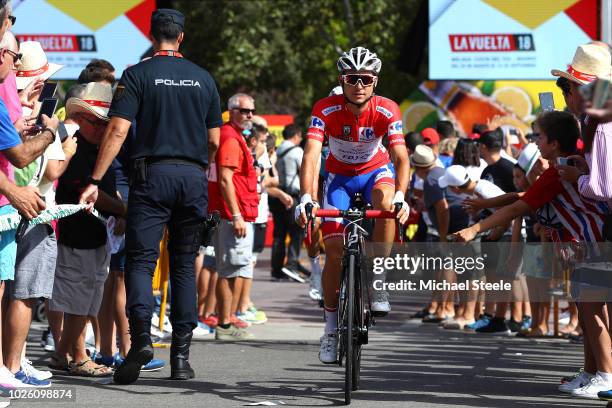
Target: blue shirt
8	135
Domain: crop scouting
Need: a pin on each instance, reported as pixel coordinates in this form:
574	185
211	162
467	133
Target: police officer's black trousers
173	195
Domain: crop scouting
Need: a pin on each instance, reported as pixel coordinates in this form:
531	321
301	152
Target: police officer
176	107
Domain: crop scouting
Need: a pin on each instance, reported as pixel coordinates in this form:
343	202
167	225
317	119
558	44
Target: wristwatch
93	181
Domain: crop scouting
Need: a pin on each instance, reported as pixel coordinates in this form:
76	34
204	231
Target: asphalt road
406	364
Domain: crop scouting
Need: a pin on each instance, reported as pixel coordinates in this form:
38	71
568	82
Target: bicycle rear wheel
350	328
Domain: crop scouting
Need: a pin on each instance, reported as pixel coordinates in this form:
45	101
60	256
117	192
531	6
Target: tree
284	52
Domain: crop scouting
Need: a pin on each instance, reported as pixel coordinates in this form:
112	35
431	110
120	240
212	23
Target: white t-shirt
53	152
486	189
262	210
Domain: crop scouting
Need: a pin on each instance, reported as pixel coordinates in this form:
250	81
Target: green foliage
284	52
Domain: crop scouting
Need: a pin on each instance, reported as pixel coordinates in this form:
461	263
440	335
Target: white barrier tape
11	221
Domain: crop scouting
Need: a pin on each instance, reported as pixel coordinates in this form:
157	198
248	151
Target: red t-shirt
234	153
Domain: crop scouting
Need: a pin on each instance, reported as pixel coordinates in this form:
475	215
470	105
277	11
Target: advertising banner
73	32
500	39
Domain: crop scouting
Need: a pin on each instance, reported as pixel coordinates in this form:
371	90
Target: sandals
58	362
534	334
87	368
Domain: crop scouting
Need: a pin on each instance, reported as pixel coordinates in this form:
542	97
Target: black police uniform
174	102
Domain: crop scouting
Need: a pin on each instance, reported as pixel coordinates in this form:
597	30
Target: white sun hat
34	64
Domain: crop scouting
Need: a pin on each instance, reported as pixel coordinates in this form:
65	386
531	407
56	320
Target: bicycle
354	310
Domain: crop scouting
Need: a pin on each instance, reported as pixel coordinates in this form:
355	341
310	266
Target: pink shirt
597	185
8	93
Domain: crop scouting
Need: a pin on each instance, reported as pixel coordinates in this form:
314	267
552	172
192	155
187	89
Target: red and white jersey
355	142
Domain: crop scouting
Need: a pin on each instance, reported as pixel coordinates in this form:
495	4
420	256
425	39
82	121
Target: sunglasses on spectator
16	56
245	111
12	19
92	122
353	79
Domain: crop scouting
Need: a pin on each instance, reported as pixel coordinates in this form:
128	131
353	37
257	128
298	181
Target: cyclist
354	124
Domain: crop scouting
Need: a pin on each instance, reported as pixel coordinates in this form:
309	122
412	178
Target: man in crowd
233	175
13	151
83	257
173	145
289	159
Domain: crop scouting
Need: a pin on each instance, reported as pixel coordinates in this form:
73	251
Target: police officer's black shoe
139	355
179	357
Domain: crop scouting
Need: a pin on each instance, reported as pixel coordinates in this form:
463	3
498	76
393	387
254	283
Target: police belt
171	160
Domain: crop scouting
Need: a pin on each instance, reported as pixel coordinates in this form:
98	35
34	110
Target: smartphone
48	91
547	103
48	108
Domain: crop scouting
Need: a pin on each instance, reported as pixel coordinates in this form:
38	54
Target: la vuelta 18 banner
73	32
501	39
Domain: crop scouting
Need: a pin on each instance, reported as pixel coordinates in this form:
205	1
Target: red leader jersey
355	142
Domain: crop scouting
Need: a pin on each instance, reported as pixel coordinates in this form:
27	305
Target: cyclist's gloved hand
300	209
404	211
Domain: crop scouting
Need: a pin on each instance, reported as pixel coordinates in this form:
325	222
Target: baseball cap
493	139
528	157
454	176
176	16
430	136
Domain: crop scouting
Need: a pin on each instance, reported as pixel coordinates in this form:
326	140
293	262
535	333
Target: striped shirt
581	218
597	185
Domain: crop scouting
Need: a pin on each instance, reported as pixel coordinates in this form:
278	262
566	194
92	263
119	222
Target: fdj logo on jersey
395	128
317	123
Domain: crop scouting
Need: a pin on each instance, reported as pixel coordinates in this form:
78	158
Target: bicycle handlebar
352	214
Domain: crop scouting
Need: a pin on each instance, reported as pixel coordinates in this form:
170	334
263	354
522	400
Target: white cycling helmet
359	59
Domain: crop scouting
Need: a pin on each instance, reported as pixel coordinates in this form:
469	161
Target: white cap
528	157
455	176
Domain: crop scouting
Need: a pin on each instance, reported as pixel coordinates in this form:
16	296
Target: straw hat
423	156
590	62
34	64
96	100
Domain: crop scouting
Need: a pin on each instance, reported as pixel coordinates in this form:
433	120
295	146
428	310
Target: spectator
25	200
413	139
233	175
558	135
499	169
446	215
447	148
446	130
98	70
289	159
431	138
467	154
83	258
35	264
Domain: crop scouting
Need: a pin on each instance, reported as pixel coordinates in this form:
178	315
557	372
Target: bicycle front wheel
350	326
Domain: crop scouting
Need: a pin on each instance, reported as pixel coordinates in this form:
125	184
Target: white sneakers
579	381
328	353
8	380
590	390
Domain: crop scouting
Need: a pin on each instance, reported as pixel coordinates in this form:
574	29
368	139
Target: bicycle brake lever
308	207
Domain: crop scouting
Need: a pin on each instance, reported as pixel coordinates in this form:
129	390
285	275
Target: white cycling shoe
328	353
380	303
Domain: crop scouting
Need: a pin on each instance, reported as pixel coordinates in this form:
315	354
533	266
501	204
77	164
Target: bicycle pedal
379	314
